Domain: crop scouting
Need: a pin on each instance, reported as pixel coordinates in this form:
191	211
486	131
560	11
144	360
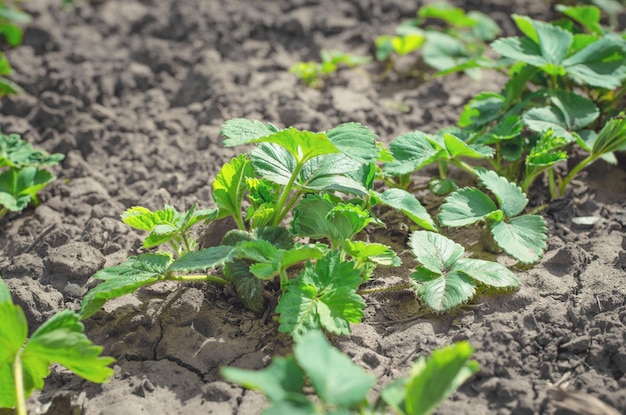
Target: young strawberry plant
458	46
521	236
166	226
21	173
11	19
341	386
25	363
313	74
445	280
288	173
566	83
416	150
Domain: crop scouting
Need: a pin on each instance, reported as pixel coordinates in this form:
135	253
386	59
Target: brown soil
134	93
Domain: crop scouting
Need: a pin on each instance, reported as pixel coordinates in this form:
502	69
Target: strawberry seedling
21	175
566	84
25	363
445	280
11	19
340	386
521	236
458	46
313	74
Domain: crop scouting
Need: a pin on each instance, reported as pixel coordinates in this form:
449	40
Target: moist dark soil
134	92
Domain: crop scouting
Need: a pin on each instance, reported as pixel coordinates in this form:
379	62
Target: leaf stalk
198	277
18	376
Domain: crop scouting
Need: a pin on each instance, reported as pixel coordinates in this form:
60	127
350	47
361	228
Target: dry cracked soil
134	92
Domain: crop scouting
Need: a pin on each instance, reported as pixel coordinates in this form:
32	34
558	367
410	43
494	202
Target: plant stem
551	184
399	287
528	181
464	166
443	169
289	205
18	376
200	277
539	209
174	247
186	242
284	279
587	161
285	194
3	212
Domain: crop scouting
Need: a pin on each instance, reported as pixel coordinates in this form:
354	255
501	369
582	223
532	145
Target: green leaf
12	33
15	152
276	235
523	237
301	253
249	288
508	128
442	292
282	381
510	197
601	64
273	163
519	49
139	217
319	218
13	14
492	274
372	252
303	145
454	16
587	16
434	379
333	172
612	137
335	378
322	296
8	87
411	152
124	278
482	109
546	152
13	330
61	340
569	112
355	141
408	204
434	251
19	187
442	51
384	47
403	45
441	186
230	185
546	47
203	259
257	250
330	172
486	28
240	131
458	148
465	207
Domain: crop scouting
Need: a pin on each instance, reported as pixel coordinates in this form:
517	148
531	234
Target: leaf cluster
313	74
448	38
22	173
342	387
566	80
25	363
11	20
